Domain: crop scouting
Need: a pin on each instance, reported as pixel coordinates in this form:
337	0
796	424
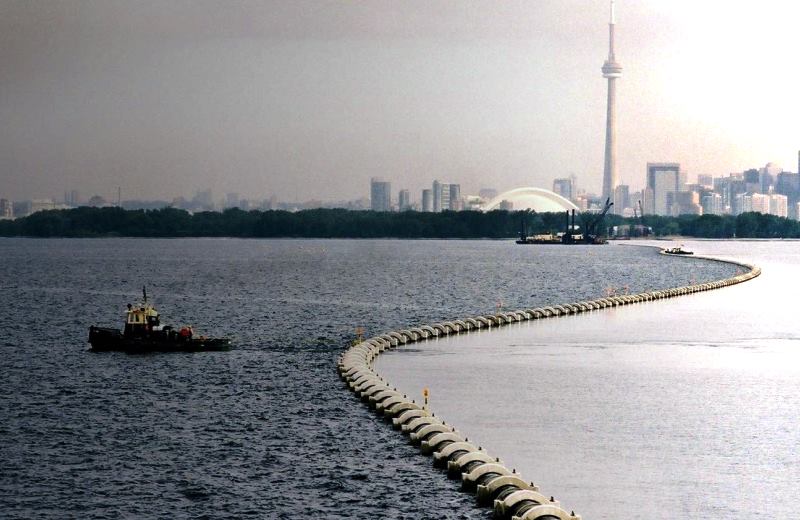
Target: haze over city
304	100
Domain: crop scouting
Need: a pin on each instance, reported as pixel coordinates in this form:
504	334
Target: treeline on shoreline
341	223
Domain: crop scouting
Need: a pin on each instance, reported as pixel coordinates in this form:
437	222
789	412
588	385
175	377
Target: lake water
683	408
267	430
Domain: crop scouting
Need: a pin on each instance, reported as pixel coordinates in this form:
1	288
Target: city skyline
667	193
307	100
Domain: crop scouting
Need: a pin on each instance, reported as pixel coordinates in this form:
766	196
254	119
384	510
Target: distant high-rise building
437	196
582	201
741	203
662	179
684	203
6	209
778	205
21	208
751	202
473	203
72	198
759	203
621	199
767	177
404	200
728	188
427	200
789	184
380	195
506	205
37	205
752	180
444	196
648	204
712	204
455	197
635	199
563	187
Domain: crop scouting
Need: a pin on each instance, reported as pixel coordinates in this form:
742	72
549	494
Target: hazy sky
309	99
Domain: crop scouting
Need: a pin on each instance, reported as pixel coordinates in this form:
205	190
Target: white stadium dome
537	199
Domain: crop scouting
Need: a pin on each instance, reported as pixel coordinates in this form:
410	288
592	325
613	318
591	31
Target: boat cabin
140	321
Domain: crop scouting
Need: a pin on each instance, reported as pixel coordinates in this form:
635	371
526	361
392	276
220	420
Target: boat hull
106	339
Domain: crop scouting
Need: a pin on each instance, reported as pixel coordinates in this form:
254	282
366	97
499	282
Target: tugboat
143	332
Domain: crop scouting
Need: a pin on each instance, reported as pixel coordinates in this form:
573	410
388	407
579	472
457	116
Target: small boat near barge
677	251
143	332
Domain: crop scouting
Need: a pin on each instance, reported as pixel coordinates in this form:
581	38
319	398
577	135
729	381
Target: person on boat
185	333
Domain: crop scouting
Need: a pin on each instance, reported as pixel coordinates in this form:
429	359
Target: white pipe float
491	490
518	502
417	423
408	414
483	473
440	440
464	463
443	455
428	431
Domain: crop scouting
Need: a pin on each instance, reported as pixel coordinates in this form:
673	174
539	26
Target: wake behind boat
143	332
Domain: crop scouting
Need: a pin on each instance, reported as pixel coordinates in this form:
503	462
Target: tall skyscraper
621	199
444	200
712	204
404	200
6	209
788	184
684	203
611	71
728	188
427	200
380	195
455	197
778	205
437	196
663	179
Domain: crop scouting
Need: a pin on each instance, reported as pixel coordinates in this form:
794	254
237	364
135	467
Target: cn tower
611	71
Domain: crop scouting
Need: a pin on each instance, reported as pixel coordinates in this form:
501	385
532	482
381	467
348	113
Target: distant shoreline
89	222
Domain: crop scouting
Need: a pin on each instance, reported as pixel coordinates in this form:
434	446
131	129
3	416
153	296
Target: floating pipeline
513	497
